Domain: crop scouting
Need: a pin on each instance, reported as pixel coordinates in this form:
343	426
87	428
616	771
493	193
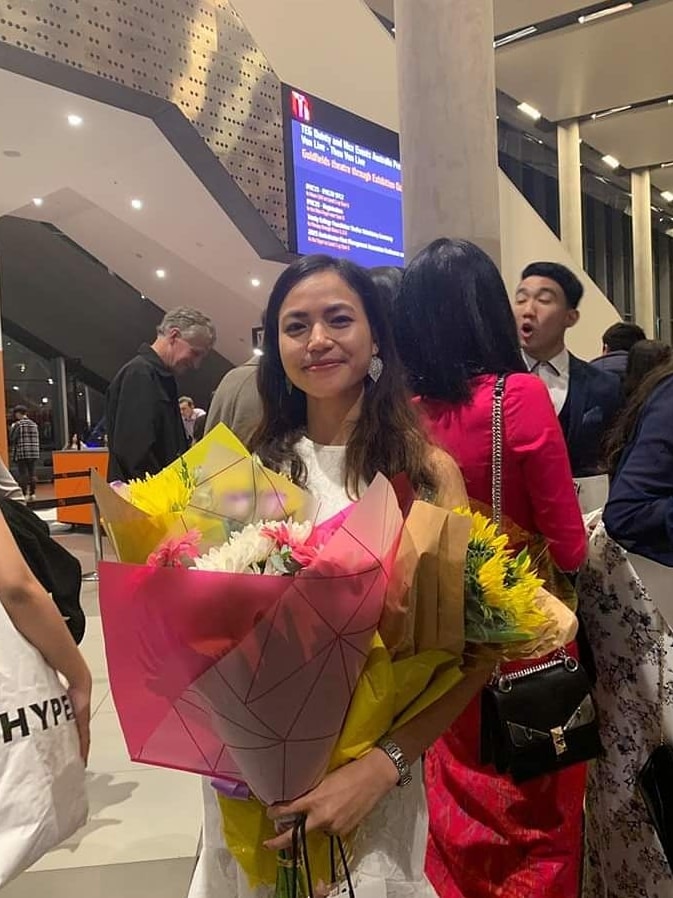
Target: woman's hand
342	800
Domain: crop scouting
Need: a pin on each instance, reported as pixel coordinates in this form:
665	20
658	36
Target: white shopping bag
42	786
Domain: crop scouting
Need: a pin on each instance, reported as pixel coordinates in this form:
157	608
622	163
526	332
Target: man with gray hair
145	428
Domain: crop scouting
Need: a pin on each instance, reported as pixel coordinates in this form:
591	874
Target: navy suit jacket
594	399
639	511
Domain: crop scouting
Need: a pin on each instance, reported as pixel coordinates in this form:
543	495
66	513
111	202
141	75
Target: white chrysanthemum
245	549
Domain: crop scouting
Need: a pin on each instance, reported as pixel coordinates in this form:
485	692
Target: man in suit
586	399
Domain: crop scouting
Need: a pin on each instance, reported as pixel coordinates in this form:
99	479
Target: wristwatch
396	755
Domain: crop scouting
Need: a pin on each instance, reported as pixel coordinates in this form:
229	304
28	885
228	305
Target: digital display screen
343	181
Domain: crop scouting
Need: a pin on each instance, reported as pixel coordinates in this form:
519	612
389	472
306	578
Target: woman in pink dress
455	330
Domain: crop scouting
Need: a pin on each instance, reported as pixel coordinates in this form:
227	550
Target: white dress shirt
556	375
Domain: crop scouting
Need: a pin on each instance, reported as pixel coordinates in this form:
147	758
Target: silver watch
396	755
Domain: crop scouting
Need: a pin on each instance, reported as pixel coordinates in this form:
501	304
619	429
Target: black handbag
542	718
655	780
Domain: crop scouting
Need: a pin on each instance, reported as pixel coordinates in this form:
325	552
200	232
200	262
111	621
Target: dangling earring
375	368
288	386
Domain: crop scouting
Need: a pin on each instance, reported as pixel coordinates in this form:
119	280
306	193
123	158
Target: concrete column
643	269
570	189
4	453
448	136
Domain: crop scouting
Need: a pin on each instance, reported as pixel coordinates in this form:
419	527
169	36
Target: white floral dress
390	845
624	856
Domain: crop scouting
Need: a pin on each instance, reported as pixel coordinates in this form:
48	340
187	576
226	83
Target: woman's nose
318	337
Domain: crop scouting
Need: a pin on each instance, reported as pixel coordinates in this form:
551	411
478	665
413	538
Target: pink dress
488	836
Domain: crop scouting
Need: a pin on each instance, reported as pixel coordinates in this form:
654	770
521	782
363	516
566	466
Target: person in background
617	341
236	401
388	279
37	618
199	428
456	334
9	488
190	416
644	356
24	443
586	400
632	644
145	426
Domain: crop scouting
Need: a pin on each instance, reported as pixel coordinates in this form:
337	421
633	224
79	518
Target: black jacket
58	571
594	400
145	429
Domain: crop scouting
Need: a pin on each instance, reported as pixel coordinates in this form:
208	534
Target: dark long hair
453	321
644	356
625	427
387	436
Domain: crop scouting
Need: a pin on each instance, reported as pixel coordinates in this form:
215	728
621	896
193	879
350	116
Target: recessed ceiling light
667	195
75	120
37	200
50	381
142	296
136	203
255	282
258	352
530	111
15	388
45	400
611	161
611	10
160	272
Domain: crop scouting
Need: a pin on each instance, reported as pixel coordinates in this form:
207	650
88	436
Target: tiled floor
143	830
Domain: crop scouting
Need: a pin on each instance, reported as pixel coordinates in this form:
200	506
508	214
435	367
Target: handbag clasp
559	739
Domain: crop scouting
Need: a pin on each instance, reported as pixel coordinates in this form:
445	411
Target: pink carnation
173	550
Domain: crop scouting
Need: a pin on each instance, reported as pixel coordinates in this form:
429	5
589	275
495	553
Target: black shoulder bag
543	718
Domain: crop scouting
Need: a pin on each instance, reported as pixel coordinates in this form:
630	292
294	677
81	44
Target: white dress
390	844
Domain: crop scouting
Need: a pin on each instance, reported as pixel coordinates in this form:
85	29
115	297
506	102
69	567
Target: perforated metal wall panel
194	53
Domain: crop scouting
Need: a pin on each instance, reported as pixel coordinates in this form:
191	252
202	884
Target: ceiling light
529	110
258	352
255	282
142	296
15	388
75	120
597	115
609	11
666	164
160	272
611	161
667	195
45	400
37	200
50	381
514	36
136	204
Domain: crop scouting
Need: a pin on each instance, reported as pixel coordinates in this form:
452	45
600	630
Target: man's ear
572	317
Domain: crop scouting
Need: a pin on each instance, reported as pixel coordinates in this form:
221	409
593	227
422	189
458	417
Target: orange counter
67	461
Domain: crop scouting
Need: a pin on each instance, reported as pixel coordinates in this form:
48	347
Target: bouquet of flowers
243	642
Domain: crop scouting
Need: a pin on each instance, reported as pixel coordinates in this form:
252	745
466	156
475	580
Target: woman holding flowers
336	414
456	334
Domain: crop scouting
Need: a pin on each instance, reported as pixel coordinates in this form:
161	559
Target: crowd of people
397	372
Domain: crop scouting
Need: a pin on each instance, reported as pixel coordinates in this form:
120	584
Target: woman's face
325	340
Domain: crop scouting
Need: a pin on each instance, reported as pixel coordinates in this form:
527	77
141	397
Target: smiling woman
330	371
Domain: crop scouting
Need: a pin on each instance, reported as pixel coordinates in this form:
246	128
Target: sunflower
500	587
